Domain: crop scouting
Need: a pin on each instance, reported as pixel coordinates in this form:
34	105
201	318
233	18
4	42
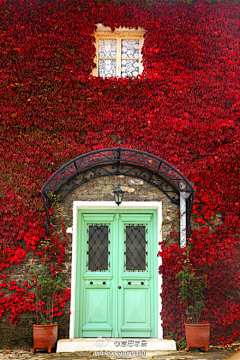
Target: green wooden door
116	282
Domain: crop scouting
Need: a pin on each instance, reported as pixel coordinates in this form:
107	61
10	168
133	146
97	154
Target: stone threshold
114	344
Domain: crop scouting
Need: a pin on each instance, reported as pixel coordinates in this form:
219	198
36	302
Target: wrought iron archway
119	161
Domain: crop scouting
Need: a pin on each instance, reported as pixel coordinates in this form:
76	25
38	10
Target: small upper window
118	53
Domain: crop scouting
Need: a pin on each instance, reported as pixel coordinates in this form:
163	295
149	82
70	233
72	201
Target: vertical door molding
108	205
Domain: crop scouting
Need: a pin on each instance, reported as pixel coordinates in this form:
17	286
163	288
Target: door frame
108	205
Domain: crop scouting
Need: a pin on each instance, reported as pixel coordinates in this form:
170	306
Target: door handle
119	287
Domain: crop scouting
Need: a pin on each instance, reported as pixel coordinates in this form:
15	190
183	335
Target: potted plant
192	288
48	285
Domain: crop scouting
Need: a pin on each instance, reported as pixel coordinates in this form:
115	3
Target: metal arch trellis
119	161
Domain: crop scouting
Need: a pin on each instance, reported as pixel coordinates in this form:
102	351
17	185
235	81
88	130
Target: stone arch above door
119	162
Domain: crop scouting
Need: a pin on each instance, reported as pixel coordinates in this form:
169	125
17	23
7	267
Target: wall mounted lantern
118	195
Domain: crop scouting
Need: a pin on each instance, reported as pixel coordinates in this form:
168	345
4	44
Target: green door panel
116	280
136	313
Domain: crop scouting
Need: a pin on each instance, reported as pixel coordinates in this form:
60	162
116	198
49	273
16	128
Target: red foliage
183	108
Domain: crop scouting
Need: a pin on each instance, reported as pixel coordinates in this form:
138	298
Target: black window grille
98	248
135	254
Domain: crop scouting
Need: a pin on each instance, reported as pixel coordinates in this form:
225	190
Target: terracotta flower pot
197	335
45	337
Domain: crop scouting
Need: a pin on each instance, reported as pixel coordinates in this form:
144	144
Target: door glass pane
98	247
135	248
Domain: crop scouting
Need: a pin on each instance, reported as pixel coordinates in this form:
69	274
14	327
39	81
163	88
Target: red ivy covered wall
183	108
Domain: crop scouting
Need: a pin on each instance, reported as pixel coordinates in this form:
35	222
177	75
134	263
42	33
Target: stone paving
213	354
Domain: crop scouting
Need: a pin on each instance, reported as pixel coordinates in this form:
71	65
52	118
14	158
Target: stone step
105	344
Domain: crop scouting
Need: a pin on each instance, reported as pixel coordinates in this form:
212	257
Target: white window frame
119	34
